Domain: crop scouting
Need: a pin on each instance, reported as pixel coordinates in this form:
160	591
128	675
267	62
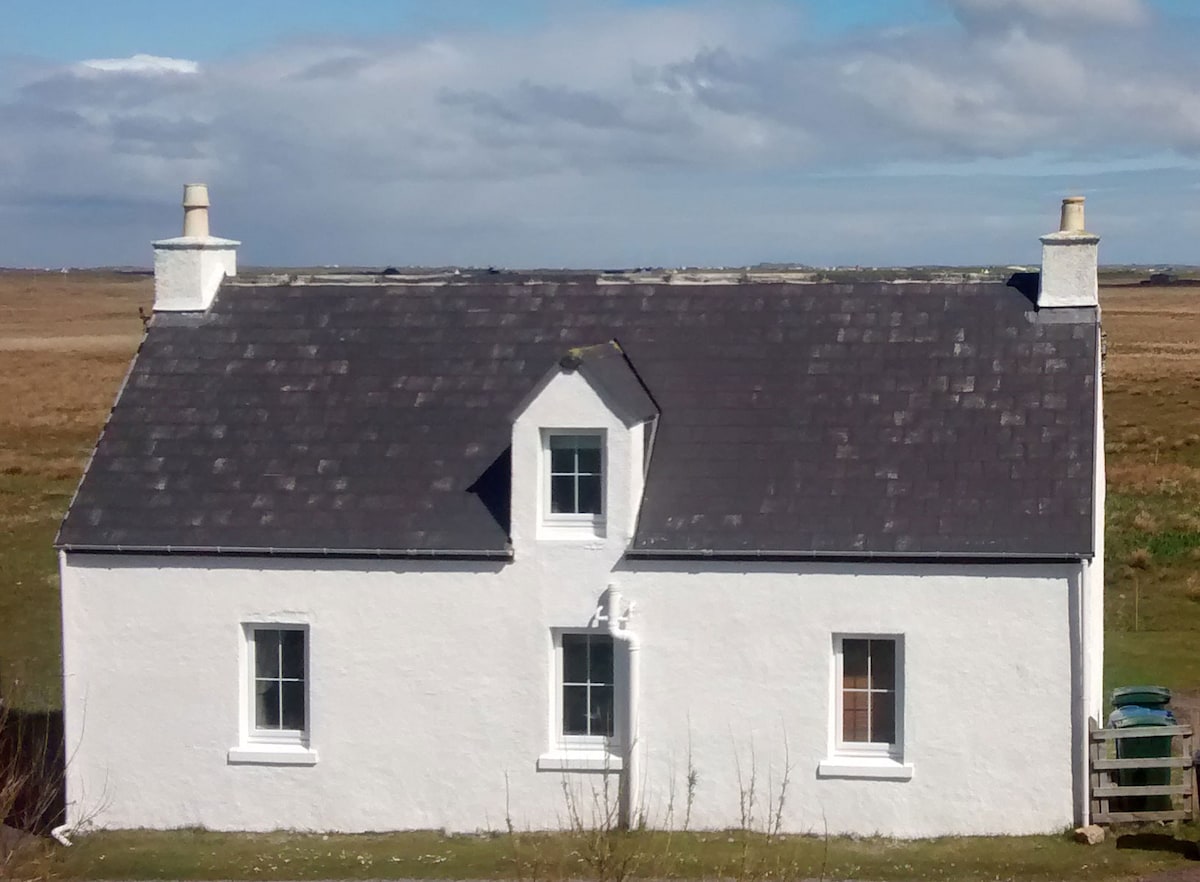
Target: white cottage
380	552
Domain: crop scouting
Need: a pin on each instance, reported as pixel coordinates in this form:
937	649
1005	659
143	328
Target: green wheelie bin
1136	707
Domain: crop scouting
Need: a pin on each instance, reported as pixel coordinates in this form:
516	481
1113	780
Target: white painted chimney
1070	260
188	269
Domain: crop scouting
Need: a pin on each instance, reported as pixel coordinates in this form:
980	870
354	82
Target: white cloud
1067	12
142	64
692	133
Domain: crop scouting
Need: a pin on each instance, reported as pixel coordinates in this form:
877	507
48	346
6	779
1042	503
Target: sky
600	133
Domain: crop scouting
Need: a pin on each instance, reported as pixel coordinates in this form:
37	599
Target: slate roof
875	419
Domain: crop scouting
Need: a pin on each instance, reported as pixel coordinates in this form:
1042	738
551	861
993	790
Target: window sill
577	531
272	755
580	761
879	767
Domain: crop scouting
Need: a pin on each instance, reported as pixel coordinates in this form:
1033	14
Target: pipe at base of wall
618	629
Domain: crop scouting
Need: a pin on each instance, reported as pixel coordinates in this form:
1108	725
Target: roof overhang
942	557
230	551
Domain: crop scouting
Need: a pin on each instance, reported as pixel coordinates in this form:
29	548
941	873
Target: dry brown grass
65	344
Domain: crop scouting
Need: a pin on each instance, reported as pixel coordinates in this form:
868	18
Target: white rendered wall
1068	277
430	689
188	271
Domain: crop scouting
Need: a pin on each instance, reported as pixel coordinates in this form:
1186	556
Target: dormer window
574	474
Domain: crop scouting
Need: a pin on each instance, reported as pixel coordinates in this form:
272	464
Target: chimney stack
188	270
1070	260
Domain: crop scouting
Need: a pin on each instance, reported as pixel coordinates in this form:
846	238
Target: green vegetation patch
193	854
1172	543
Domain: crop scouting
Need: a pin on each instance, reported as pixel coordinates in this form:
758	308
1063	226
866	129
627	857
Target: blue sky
601	132
68	30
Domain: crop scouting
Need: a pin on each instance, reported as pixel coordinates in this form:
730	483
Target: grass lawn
1152	560
203	855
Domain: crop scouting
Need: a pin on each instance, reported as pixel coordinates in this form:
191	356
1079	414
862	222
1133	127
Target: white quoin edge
188	269
1070	260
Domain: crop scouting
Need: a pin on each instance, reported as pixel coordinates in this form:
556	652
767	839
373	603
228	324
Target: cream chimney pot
1072	215
195	210
1070	261
188	270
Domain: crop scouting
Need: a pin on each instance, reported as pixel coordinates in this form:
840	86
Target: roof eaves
848	556
186	550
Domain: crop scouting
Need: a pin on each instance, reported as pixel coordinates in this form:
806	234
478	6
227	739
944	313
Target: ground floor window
869	680
587	687
278	664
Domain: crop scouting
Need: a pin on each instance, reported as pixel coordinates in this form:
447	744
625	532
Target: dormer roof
609	371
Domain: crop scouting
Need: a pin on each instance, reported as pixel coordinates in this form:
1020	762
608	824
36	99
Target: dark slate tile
836	418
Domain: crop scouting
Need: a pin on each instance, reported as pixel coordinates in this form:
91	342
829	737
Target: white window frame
568	523
886	750
272	746
598	753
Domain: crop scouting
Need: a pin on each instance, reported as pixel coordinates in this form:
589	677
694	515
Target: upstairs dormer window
574	476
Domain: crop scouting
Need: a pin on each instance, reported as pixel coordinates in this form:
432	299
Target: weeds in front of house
197	854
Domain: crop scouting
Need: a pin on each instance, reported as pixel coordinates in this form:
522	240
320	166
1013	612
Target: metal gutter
848	556
425	553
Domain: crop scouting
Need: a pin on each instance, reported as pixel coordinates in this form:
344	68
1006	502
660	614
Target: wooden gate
1108	793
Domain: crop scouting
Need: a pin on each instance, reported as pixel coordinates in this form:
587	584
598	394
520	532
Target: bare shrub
1140	559
610	852
31	790
1145	522
769	863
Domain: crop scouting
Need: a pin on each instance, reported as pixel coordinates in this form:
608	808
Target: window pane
854	664
883	717
854	724
589	460
574	658
266	653
562	460
601	670
601	711
562	494
293	654
575	710
266	704
589	494
293	706
883	664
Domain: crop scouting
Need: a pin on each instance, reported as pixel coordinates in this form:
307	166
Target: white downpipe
60	834
1091	615
617	628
